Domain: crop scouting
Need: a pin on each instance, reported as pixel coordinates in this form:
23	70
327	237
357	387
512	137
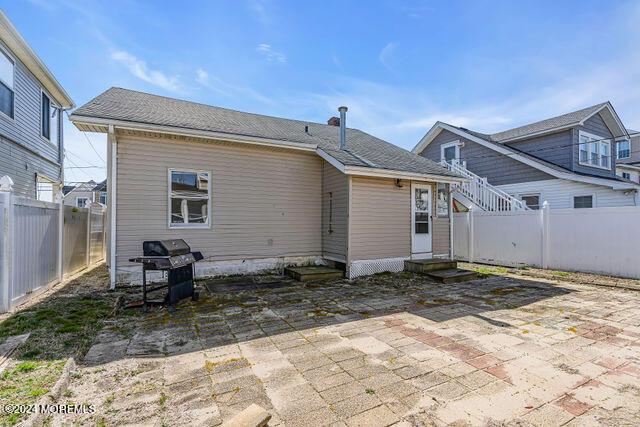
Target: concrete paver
394	348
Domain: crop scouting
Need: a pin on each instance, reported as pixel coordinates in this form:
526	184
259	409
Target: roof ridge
595	106
221	108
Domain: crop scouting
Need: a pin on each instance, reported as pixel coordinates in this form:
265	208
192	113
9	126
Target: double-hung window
626	175
624	149
81	202
189	199
6	85
594	151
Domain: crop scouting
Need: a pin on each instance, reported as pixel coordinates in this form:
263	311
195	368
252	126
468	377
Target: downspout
113	156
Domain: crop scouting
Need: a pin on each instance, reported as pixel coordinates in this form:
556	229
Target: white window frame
102	193
86	199
12	89
598	141
455	144
593	200
190	224
618	149
628	175
52	105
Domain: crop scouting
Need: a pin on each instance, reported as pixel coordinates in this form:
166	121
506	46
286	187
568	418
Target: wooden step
305	274
453	275
427	265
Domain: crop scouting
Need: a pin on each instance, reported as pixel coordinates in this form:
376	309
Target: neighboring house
100	192
255	192
628	157
80	195
568	161
31	107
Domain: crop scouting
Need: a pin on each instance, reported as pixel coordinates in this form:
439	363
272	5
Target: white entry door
421	221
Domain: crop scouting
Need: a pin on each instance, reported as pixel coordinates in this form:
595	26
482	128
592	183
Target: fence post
60	197
544	214
6	244
470	234
88	254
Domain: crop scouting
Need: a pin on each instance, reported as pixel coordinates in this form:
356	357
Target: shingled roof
363	150
564	120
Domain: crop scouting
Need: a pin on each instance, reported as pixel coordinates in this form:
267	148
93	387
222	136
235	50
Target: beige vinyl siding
380	223
265	202
334	243
441	236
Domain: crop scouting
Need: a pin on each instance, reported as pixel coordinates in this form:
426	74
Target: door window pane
421	222
422	199
189	198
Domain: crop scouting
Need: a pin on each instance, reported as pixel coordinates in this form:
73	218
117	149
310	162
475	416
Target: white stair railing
481	193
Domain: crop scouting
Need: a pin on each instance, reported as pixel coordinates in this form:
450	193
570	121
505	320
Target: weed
370	391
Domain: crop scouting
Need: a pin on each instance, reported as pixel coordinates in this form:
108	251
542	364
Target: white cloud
272	55
215	84
139	68
386	54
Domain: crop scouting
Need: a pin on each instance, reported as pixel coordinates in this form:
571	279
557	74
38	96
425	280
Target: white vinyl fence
598	240
37	248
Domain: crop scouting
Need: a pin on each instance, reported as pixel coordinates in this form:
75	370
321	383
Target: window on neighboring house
81	202
594	151
103	198
442	202
450	151
49	120
189	199
626	175
580	202
624	149
6	85
531	200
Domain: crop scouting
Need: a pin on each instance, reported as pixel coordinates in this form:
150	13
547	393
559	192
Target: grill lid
165	247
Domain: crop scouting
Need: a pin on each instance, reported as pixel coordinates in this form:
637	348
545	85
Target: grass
59	328
487	270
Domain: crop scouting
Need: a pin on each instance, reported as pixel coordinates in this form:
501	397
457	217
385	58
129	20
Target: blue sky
398	65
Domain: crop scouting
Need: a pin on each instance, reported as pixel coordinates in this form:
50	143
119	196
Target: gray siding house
254	192
31	107
568	161
628	157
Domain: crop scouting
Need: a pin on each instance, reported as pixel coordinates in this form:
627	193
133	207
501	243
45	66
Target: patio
393	348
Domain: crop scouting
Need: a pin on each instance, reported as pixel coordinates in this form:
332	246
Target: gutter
174	130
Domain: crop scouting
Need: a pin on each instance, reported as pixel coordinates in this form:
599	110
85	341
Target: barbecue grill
176	259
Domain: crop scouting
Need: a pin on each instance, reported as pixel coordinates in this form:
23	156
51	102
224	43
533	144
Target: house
628	157
31	106
79	195
100	192
254	192
567	161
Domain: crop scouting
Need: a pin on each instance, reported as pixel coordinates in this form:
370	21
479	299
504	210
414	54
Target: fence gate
35	251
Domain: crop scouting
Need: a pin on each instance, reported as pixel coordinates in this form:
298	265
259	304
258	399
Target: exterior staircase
482	194
440	270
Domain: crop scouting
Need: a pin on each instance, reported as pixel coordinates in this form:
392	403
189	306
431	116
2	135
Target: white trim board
439	126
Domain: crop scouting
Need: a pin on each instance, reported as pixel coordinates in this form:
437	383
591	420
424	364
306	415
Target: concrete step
453	275
305	274
427	265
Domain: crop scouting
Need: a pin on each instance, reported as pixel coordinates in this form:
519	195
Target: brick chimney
334	121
